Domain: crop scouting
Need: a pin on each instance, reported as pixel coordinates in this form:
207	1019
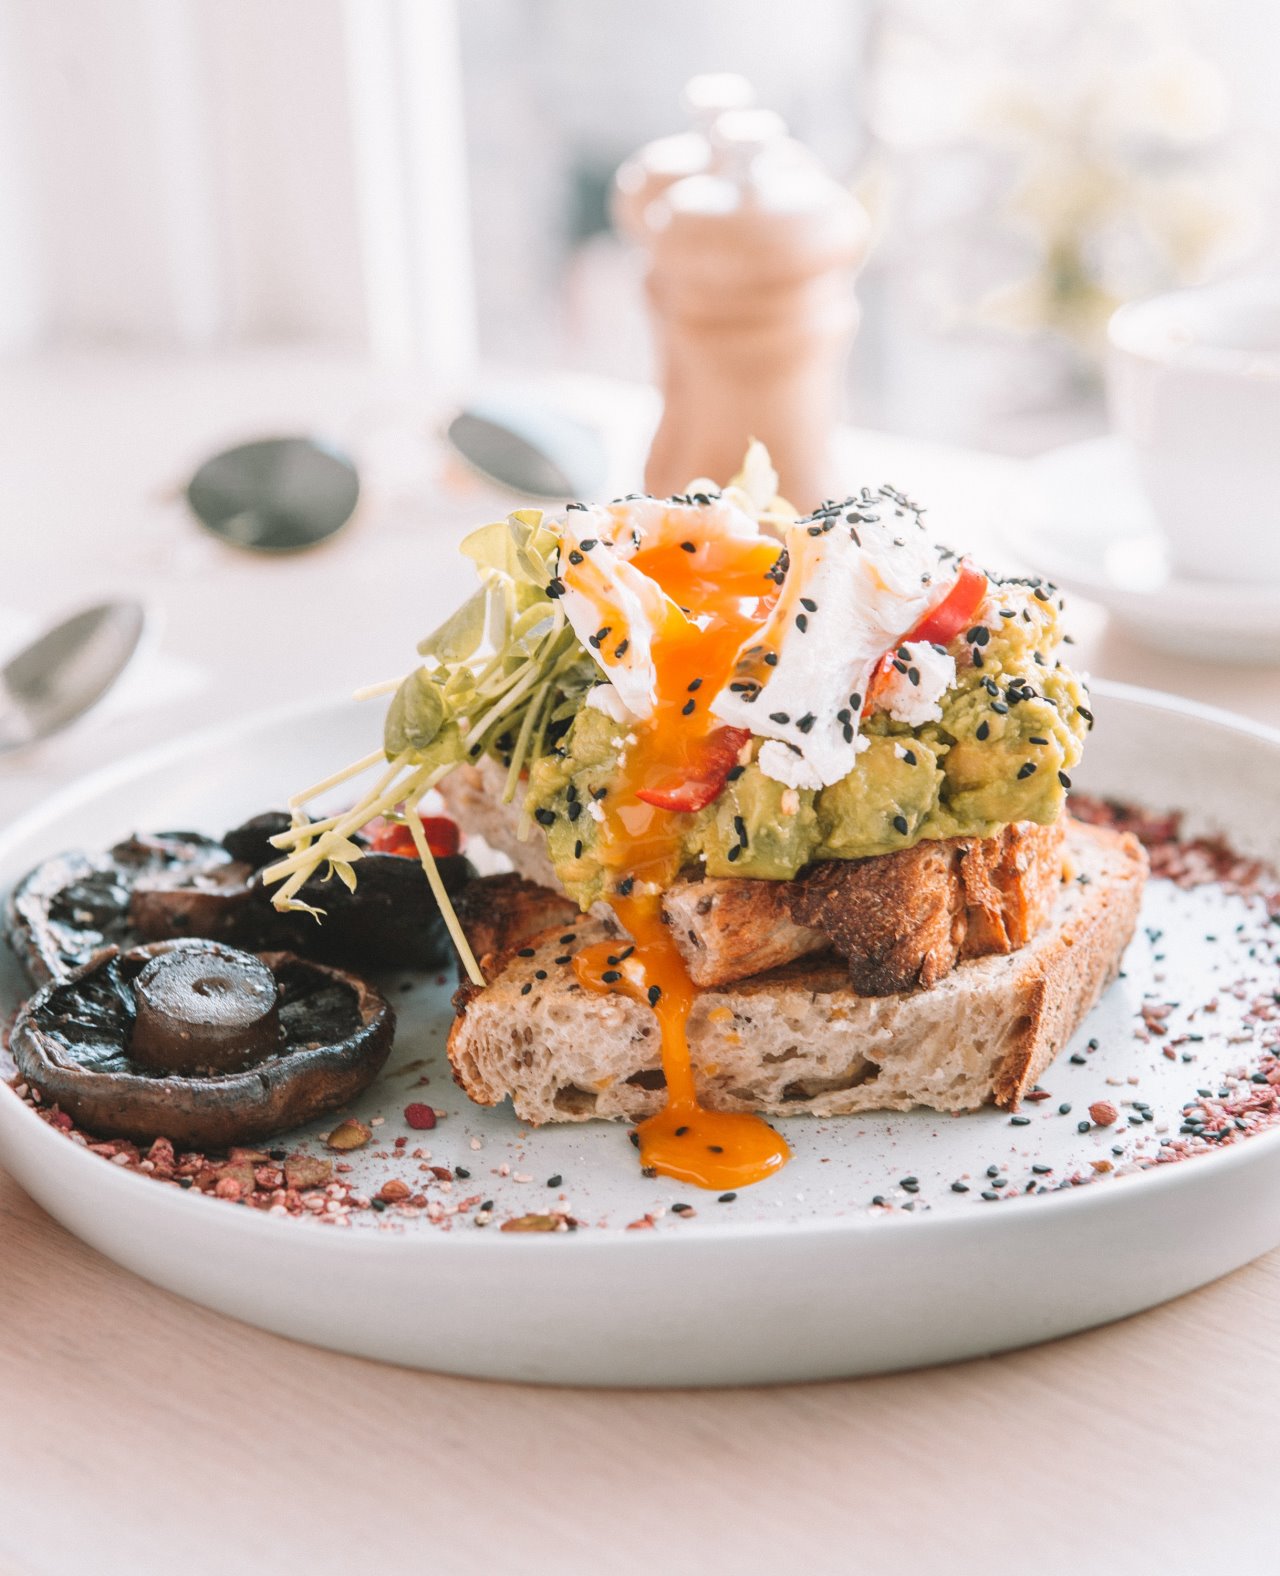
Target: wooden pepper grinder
751	292
659	164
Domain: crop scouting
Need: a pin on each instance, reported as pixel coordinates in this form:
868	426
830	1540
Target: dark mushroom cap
69	907
72	1039
390	921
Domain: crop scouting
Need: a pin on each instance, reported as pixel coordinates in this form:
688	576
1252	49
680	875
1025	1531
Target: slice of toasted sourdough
901	920
799	1038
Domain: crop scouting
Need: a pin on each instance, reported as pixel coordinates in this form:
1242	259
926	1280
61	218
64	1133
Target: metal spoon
64	672
530	447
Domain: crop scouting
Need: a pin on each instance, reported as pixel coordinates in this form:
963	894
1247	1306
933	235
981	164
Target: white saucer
1097	536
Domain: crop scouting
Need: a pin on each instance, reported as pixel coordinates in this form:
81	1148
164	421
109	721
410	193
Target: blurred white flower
1089	151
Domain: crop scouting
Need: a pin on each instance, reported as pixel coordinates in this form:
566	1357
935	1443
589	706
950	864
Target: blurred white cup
1193	383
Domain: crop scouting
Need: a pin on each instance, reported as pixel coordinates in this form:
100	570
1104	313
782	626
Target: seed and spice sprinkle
1094	1116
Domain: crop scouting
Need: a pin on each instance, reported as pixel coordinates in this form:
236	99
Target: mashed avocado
1010	729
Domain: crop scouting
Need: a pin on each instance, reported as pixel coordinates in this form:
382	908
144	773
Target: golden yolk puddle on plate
722	594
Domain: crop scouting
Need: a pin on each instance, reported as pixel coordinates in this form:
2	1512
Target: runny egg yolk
720	593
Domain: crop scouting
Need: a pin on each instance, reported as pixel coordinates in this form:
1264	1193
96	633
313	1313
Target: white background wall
211	172
197	172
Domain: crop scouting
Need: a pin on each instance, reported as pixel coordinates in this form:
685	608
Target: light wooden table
141	1434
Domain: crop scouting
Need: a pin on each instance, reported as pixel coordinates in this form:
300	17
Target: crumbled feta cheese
849	594
786	765
913	697
605	698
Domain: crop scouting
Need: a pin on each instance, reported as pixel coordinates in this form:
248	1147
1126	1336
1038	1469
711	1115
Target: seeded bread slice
799	1038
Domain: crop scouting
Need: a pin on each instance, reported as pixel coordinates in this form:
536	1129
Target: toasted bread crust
902	920
500	913
798	1038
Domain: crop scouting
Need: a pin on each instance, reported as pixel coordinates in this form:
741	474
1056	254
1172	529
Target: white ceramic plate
799	1278
1099	537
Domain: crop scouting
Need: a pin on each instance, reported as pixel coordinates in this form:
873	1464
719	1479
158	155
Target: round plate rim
1088	1199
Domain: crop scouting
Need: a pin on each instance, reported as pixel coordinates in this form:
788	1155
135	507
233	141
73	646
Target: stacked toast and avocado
785	802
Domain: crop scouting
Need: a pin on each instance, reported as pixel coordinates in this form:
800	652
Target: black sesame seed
655	995
1082	1127
909	756
1019	1121
984	729
959	1187
732	854
621	650
539	974
694	684
809	605
681	1209
802	622
901	825
806	722
575	557
564	957
1026	769
688	708
1064	779
780	717
1065	1108
689	547
1035	739
681	1132
727	1198
577	849
545	817
461	1171
611	976
734	773
526	988
525	952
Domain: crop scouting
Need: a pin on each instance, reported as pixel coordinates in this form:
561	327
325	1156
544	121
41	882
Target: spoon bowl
66	670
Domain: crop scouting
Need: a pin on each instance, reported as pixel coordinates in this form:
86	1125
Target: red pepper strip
941	625
393	837
704	779
956	610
